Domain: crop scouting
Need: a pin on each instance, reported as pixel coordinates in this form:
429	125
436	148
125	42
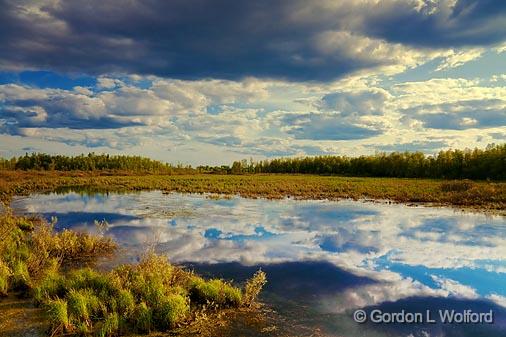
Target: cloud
455	288
429	146
445	23
116	104
324	126
457	59
367	102
24	107
194	39
253	117
461	115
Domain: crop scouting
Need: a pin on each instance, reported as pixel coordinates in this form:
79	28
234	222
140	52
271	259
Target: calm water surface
324	260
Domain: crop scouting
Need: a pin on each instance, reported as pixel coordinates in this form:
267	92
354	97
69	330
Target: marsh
324	259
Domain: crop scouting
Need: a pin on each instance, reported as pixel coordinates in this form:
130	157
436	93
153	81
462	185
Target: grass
471	194
152	295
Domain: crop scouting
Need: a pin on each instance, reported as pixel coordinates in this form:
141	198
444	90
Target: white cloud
458	58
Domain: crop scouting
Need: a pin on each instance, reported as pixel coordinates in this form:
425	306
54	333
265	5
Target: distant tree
236	167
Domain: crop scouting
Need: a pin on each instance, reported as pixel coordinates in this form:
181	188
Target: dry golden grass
472	194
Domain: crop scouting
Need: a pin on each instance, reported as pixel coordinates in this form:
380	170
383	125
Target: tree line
90	162
489	163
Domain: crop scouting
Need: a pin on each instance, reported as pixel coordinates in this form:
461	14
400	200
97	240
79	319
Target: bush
125	303
150	295
82	304
52	285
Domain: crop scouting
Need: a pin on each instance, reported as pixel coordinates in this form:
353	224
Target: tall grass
152	295
32	254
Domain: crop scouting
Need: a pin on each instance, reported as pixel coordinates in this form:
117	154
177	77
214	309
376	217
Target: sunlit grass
152	295
477	194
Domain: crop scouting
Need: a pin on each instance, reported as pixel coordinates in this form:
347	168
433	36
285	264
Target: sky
209	82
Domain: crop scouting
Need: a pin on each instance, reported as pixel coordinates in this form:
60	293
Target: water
324	259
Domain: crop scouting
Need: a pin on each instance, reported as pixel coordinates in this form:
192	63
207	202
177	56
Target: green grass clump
52	285
82	304
58	315
170	311
125	303
49	281
5	273
216	292
20	279
142	318
110	326
104	286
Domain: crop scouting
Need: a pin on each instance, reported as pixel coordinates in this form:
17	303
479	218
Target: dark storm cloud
229	38
437	24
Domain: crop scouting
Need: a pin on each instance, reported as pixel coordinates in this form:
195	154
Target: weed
253	287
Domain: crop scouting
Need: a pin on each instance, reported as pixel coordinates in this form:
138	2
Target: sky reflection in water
337	256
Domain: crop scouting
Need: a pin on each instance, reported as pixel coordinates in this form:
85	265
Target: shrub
125	303
150	295
52	285
87	278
